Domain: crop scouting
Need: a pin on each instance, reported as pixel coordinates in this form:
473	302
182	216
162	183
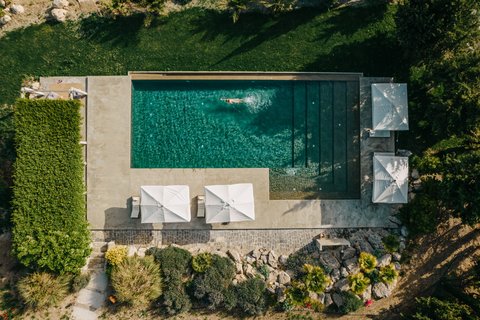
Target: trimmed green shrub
136	281
431	308
210	287
116	255
388	274
358	283
351	302
295	295
79	281
41	289
175	270
250	296
367	262
315	279
201	262
49	227
391	243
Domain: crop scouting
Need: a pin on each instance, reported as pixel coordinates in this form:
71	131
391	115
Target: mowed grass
352	39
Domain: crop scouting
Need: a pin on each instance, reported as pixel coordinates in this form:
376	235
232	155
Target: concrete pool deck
111	182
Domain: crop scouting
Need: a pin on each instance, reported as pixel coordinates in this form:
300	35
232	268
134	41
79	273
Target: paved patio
111	182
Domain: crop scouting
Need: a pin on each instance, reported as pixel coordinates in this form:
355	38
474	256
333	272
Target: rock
337	299
2	4
321	298
280	292
404	231
396	256
272	259
351	265
238	266
240	278
234	256
395	220
283	260
272	276
415	175
364	245
141	252
376	242
313	295
335	274
110	245
397	266
256	253
5	19
250	259
17	9
249	271
349	253
59	15
342	285
60	4
380	290
344	272
384	260
264	259
329	261
131	251
328	300
283	278
35	85
401	246
367	294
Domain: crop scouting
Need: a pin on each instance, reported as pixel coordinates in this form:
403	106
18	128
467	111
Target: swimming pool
305	132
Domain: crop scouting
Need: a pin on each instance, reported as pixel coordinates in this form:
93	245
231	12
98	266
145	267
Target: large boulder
3	4
349	253
59	15
342	285
329	261
17	9
5	19
328	300
234	255
283	278
283	260
60	4
351	265
380	290
337	299
335	275
272	259
367	294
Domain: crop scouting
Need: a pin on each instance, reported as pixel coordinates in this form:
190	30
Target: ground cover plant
49	227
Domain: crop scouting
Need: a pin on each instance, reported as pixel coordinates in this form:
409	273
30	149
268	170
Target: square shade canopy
389	106
229	203
390	178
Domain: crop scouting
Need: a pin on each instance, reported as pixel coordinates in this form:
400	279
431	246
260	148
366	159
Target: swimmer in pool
232	100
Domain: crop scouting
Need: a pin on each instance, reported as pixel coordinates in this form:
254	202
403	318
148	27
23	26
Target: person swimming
232	100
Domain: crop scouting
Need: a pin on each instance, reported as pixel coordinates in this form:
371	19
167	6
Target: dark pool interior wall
305	132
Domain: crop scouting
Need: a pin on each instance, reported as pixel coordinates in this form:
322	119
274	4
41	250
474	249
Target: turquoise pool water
306	132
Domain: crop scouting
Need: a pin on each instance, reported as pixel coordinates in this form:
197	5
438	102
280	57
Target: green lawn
357	39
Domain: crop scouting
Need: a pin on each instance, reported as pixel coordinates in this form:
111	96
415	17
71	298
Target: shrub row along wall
50	231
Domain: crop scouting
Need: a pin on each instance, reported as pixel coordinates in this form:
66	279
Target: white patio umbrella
165	204
389	106
390	181
229	203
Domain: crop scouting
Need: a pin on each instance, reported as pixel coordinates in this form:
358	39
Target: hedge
50	231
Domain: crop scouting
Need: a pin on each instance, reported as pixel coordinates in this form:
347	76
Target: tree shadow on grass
121	31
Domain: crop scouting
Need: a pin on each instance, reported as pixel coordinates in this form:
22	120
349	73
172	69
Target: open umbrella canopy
229	203
165	204
389	106
390	184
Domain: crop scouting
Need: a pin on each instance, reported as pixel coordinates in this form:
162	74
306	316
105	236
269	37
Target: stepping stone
91	298
81	313
98	282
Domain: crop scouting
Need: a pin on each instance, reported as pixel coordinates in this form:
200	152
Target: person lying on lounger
232	100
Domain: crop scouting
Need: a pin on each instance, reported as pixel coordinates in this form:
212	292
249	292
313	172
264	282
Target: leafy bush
421	214
431	308
136	281
315	279
49	227
351	302
201	262
174	262
116	255
298	259
7	157
210	287
388	274
250	296
391	243
295	295
175	267
40	290
264	271
358	283
79	281
367	262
